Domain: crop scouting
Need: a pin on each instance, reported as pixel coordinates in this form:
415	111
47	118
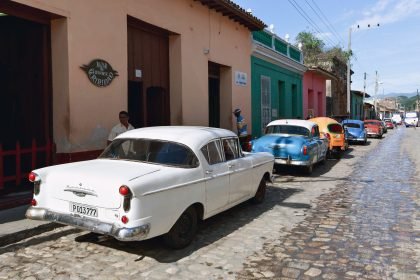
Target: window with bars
265	101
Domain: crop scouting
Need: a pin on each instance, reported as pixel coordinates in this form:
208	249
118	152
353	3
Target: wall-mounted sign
240	78
100	72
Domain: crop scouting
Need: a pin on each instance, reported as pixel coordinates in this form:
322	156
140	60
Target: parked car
389	123
411	119
152	181
384	128
396	117
293	142
334	131
355	131
373	128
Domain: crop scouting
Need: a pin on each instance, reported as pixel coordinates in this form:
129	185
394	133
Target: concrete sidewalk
13	224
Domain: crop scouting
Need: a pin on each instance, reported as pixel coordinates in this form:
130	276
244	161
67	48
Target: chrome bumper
120	233
289	161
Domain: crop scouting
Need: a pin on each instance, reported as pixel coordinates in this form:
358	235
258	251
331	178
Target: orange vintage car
334	131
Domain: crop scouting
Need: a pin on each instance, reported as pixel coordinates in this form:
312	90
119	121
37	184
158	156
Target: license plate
84	210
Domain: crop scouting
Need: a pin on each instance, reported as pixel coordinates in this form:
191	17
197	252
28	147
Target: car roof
352	121
295	122
192	136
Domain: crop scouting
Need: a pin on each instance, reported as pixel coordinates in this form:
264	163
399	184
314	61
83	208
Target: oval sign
99	72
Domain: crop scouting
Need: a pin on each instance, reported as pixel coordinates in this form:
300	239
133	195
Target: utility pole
376	92
349	74
363	99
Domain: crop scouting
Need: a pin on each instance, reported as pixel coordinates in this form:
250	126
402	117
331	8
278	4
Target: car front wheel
183	231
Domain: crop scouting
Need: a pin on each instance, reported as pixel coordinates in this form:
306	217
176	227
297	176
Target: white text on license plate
84	209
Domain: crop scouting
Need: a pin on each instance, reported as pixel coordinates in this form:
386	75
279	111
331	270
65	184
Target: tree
338	53
313	49
312	46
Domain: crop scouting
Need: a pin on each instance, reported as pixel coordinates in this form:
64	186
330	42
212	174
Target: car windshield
352	125
151	151
287	129
335	128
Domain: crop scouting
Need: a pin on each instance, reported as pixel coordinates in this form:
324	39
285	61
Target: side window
212	152
315	131
231	148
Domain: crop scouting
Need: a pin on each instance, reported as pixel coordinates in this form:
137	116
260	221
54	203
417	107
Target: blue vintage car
355	131
293	142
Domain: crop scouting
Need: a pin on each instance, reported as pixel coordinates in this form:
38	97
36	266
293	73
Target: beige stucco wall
83	114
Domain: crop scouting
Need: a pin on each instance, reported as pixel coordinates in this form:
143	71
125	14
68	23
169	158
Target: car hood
94	182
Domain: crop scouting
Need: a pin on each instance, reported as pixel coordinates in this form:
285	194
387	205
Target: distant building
315	91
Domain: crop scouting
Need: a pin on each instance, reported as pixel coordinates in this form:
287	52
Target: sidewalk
13	224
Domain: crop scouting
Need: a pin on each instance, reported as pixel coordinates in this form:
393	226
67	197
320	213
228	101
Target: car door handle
231	165
209	171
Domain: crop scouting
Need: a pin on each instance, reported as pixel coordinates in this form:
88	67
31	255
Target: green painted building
356	104
276	80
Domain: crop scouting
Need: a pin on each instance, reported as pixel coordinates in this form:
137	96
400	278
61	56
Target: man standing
241	126
123	126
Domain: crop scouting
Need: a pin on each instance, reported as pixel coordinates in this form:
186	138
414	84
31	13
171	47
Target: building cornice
281	60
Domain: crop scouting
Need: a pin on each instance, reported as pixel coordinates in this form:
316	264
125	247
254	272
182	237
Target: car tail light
124	219
34	202
248	146
126	193
34	178
305	150
328	136
124	190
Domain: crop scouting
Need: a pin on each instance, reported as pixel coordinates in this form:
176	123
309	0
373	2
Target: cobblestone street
353	218
367	228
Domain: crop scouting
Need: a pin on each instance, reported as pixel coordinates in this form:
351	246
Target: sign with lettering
99	72
240	78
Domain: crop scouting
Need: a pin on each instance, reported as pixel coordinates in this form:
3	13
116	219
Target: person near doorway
121	127
242	128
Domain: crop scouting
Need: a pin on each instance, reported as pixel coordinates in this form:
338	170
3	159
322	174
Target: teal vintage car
293	142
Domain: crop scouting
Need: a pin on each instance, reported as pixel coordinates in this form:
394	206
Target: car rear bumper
289	161
93	225
357	139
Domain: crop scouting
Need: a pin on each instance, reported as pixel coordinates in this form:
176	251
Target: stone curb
26	233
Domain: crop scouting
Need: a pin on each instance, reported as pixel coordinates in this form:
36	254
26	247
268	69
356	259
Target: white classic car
152	181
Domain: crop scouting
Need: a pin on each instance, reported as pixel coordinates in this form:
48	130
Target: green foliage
409	103
313	49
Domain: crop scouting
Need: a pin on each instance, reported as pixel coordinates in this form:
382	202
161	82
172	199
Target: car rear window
151	151
287	129
335	128
373	123
353	125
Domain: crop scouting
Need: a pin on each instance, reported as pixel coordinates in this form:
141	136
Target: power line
340	39
308	19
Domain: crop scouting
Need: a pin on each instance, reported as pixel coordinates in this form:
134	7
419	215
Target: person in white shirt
123	126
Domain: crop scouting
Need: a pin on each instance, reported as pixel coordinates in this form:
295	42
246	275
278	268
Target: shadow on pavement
209	232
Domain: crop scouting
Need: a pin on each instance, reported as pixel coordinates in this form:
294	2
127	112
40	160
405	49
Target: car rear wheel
260	194
309	169
183	231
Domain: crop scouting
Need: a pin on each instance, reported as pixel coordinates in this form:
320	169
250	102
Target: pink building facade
314	92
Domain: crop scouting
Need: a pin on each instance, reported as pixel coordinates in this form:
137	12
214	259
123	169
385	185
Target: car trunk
284	146
96	182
